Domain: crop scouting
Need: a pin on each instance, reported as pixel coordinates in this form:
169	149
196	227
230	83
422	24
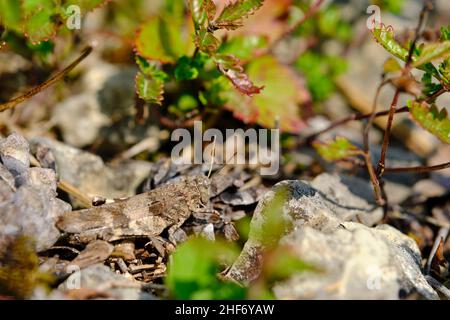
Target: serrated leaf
281	98
206	42
39	19
230	66
433	51
202	11
385	37
431	119
150	89
234	13
338	149
444	69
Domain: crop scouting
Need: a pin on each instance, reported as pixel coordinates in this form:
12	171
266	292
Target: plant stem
58	76
373	178
353	117
421	169
387	134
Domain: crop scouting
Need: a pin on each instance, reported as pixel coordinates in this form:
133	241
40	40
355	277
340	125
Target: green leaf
433	51
149	88
10	14
193	269
431	119
337	149
428	86
445	33
385	37
243	47
206	42
202	11
230	66
186	69
39	19
444	69
281	98
234	13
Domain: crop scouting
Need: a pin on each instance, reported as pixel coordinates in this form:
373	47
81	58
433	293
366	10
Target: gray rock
15	155
28	203
105	110
88	172
355	261
100	278
349	198
80	119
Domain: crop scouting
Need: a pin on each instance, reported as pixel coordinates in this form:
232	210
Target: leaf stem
387	134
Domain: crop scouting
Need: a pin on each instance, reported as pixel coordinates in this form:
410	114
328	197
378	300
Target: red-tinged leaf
281	98
150	89
234	13
431	119
206	42
386	38
338	149
231	68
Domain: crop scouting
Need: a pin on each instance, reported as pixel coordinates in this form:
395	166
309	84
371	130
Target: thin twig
387	133
373	178
441	236
85	200
58	76
353	117
373	115
421	169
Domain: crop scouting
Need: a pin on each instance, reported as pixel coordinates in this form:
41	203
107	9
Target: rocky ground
92	198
